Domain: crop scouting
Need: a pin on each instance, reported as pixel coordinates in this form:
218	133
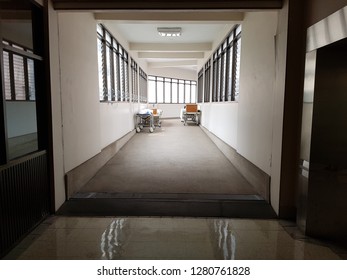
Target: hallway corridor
173	159
175	171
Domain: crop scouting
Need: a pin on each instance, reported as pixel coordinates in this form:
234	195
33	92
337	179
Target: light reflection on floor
134	238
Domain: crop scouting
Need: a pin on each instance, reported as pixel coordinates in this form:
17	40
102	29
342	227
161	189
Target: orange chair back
191	108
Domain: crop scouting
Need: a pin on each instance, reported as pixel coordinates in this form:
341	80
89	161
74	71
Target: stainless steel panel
328	30
306	129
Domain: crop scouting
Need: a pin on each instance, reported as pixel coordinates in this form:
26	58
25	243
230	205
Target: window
160	90
19	75
113	67
190	91
21	68
134	81
125	96
180	91
169	90
143	87
215	89
152	89
226	68
236	76
207	87
174	90
200	85
193	93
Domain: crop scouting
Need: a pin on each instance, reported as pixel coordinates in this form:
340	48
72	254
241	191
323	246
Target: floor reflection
223	238
113	239
164	238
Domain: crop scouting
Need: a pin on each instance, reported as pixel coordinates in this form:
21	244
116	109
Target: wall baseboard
254	175
79	176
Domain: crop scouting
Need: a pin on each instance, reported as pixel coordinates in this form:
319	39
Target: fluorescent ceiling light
169	31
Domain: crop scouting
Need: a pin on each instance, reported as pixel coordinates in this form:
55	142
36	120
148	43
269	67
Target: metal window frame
222	58
229	84
25	53
120	87
3	124
200	85
235	63
174	81
191	83
134	80
126	94
207	82
143	86
170	93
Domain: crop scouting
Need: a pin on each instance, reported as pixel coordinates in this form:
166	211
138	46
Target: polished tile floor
163	238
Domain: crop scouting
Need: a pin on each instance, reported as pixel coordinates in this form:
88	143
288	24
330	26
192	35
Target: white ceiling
191	33
199	31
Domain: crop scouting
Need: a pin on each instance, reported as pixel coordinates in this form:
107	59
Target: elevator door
326	147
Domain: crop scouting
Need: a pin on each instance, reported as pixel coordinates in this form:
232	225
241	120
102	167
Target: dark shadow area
184	205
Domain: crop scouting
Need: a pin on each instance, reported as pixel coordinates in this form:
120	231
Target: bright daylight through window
220	74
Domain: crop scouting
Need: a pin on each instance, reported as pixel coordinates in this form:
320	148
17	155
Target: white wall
278	108
178	73
257	76
221	120
21	118
79	87
169	110
58	152
116	120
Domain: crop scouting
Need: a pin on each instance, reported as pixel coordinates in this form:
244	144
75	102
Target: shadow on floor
184	205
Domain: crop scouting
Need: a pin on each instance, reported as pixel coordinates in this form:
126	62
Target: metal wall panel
24	198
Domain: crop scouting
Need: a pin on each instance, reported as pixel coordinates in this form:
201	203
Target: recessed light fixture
169	31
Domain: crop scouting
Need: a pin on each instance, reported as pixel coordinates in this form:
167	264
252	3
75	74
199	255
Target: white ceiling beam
172	55
175	47
164	16
175	63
